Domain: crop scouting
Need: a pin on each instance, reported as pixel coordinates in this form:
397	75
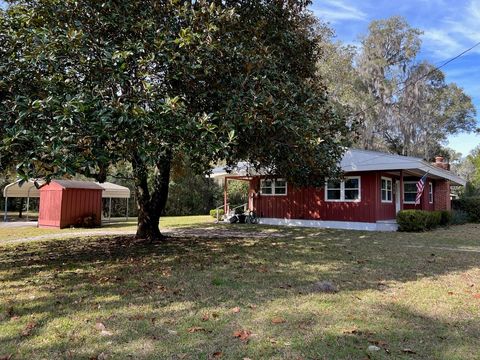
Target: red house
374	188
64	202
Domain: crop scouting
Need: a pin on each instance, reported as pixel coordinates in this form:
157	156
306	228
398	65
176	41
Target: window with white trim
273	187
409	192
430	193
386	189
345	190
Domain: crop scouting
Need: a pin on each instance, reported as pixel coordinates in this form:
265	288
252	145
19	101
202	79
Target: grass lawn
117	224
414	296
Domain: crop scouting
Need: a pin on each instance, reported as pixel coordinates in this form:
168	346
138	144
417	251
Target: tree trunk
151	204
148	225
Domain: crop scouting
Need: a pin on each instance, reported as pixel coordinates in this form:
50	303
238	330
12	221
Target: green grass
178	300
117	225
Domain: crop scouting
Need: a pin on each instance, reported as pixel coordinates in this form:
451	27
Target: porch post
401	189
250	195
6	209
225	199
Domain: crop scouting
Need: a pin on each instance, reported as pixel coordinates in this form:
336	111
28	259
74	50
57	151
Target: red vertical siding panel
309	203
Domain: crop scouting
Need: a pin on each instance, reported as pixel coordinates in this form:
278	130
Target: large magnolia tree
85	84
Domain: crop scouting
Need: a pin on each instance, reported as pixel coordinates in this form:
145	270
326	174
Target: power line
406	84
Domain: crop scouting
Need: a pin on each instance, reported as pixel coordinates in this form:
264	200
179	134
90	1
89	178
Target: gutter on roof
444	173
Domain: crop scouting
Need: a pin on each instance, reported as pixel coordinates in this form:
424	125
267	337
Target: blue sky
449	27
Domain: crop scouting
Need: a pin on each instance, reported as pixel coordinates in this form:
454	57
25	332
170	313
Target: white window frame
430	192
342	190
410	192
273	187
382	189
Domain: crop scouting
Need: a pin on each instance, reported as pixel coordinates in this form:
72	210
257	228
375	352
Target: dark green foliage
237	192
459	217
445	217
419	220
213	213
433	219
470	205
193	195
86	84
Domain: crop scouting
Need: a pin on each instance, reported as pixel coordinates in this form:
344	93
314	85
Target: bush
433	219
445	217
459	217
213	213
469	205
419	220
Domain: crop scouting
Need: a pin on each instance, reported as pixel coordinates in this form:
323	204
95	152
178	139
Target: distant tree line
403	105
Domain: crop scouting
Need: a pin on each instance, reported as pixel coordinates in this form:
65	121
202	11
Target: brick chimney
440	163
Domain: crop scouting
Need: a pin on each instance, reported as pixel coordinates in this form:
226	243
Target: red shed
64	202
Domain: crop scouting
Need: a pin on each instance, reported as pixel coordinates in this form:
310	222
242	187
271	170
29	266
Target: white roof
20	189
111	190
28	189
366	160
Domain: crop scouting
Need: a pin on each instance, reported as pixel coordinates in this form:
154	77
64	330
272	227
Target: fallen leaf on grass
217	354
278	320
29	328
476	296
101	356
242	334
362	261
252	306
236	310
450	293
379	343
408	351
195	329
351	331
103	329
205	317
100	326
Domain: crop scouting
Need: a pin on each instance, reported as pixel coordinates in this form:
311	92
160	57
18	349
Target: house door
398	194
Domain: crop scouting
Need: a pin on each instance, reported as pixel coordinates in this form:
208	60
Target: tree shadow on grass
135	285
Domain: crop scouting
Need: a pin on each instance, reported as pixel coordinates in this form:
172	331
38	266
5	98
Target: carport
20	189
114	191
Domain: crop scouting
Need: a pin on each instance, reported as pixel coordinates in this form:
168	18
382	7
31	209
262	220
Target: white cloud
455	33
337	10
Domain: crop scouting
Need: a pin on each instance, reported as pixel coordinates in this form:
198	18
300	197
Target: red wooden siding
385	210
80	203
50	207
62	207
309	203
